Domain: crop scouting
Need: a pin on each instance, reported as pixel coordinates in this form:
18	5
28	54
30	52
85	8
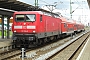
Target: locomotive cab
24	27
25	23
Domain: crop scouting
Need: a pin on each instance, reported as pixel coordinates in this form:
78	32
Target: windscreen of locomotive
30	17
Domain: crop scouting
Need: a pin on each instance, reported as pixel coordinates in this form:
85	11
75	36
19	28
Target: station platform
85	52
5	42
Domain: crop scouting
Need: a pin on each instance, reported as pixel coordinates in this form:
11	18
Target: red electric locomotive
35	27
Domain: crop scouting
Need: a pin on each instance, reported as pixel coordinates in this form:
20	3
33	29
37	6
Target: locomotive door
41	26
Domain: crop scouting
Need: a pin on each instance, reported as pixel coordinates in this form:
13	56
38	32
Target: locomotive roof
41	12
67	20
27	12
37	12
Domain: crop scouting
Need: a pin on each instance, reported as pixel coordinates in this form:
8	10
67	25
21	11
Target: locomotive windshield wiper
30	17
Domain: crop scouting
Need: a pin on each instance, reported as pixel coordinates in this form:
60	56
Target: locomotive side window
30	17
19	17
40	18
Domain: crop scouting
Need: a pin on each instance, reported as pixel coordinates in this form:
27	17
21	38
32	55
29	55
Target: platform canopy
8	7
14	5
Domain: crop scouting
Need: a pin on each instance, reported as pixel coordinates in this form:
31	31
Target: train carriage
67	26
63	25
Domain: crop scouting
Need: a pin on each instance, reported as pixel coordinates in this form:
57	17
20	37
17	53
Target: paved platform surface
85	52
5	42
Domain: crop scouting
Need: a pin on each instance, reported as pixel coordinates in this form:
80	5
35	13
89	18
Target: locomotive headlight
15	31
34	31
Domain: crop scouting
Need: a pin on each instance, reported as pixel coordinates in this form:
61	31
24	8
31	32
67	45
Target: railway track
67	51
72	51
44	52
8	54
79	48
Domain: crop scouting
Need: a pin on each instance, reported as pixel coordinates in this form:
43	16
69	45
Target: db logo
24	27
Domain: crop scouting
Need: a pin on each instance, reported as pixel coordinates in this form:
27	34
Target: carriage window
30	17
65	25
19	17
40	18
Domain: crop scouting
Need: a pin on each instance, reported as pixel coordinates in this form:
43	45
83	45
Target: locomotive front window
19	17
30	17
27	18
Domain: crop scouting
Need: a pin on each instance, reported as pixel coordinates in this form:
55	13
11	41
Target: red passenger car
63	25
70	25
67	26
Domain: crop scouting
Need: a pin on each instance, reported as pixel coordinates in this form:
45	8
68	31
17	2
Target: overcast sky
80	8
